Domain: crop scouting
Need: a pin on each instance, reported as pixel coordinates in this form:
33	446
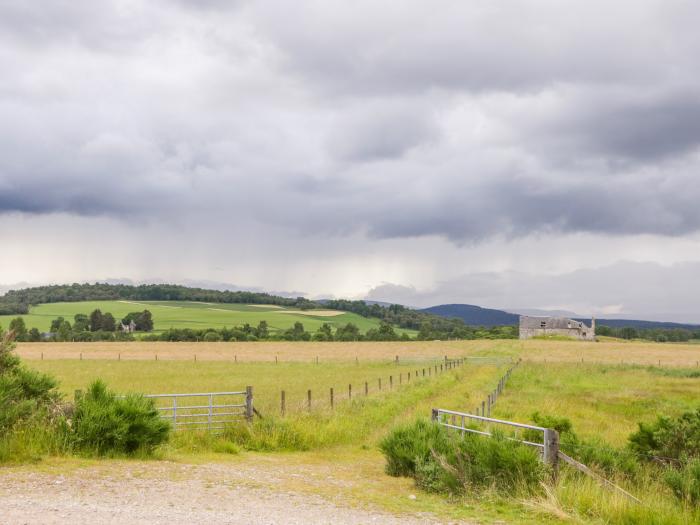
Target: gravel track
172	494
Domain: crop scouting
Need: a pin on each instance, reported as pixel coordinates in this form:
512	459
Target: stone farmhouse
542	326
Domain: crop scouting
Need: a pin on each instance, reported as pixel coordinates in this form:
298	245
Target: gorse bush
24	393
461	464
106	424
668	439
410	445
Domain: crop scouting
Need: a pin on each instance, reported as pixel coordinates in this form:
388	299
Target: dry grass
612	352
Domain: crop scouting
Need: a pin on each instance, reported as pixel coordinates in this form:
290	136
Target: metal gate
210	411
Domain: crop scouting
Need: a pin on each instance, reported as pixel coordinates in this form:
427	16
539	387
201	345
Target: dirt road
170	493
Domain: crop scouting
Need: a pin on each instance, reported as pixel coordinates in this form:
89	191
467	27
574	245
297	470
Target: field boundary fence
381	384
523	433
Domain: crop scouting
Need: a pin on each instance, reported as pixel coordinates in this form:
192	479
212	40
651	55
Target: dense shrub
669	439
24	393
106	424
410	444
457	465
685	482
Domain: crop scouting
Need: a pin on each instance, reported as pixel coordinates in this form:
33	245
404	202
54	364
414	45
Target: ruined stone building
543	326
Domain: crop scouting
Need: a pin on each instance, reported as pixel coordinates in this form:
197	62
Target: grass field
188	314
605	389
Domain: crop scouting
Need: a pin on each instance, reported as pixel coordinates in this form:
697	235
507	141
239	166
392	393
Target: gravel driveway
169	493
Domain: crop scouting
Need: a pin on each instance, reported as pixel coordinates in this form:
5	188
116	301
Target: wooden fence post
350	391
434	415
379	381
283	403
483	409
391	382
551	448
308	399
249	403
331	398
366	388
488	406
397	360
400	378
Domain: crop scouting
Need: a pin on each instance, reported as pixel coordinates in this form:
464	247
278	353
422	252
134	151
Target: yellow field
612	352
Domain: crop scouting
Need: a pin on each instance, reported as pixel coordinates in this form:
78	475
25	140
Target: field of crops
188	314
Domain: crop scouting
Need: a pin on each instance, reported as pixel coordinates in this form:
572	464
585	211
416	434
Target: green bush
410	444
24	393
105	424
460	464
669	439
685	482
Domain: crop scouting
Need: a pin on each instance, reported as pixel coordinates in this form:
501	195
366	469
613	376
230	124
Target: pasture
605	389
196	315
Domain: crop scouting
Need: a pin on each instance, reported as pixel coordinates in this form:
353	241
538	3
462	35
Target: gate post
551	448
249	403
434	415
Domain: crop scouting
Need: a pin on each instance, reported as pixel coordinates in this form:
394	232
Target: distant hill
473	315
477	316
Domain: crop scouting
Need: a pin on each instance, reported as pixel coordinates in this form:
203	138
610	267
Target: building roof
560	323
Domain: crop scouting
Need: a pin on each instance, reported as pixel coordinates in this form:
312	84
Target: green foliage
211	337
105	424
685	482
18	328
411	444
669	438
24	393
459	465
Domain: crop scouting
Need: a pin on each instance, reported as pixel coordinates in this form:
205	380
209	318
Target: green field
189	314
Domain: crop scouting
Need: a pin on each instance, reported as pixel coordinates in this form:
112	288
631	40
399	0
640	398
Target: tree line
660	335
19	301
97	326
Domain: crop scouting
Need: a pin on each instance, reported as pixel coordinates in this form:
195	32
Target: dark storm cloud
390	119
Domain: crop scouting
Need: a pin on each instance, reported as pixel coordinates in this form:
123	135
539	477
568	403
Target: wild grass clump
105	424
461	465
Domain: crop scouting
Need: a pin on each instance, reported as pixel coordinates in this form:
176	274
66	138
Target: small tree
108	322
81	323
96	320
18	327
56	324
262	331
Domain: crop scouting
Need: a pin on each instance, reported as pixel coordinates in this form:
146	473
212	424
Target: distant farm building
544	326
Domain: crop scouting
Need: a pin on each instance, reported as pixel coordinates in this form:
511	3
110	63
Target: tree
108	323
324	333
145	321
34	335
96	320
349	332
56	324
19	328
64	332
262	331
81	323
297	333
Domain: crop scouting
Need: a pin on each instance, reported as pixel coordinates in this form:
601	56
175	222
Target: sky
511	154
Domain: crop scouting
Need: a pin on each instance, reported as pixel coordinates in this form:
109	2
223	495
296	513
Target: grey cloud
380	119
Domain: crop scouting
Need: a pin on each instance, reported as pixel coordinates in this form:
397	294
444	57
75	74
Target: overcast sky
540	154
